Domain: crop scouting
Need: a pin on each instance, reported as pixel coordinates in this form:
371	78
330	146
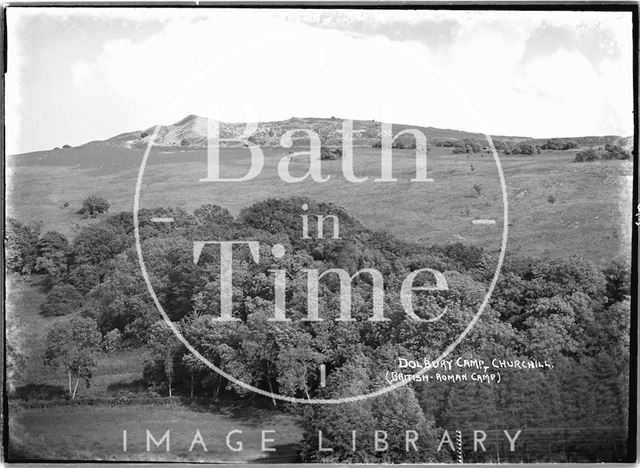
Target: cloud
80	73
522	73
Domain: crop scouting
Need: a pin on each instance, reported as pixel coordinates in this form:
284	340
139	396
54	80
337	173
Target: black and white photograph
320	233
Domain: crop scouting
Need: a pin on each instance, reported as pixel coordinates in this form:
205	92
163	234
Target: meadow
557	207
96	432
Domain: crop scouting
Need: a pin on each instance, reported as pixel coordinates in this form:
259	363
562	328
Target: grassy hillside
192	132
591	201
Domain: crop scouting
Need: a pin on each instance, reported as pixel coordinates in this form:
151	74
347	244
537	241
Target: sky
81	74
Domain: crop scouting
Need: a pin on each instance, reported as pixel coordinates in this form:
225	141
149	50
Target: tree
394	412
73	345
63	299
112	341
84	277
121	301
94	205
212	214
98	243
164	346
20	247
52	250
618	281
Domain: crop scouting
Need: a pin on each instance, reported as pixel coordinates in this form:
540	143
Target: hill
191	131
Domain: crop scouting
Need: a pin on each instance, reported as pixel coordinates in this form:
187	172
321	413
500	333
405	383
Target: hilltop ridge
191	131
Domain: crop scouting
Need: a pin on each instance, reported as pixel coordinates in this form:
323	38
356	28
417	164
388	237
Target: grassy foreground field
556	207
96	433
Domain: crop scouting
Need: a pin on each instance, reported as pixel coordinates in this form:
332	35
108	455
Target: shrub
94	205
63	299
615	152
478	189
551	199
523	149
586	155
330	153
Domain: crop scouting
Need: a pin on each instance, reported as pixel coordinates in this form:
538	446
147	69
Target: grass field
96	433
589	216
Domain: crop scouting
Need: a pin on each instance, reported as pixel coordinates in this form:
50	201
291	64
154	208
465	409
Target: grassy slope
95	433
592	199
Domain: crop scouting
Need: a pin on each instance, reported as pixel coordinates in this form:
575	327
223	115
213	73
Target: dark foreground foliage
565	311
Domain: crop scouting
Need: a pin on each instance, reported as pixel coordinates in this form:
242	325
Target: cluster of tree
607	153
558	144
469	145
568	312
402	142
466	145
509	147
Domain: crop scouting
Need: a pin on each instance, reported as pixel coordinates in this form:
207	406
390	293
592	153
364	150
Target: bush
94	205
63	299
586	155
523	149
551	199
330	153
615	152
